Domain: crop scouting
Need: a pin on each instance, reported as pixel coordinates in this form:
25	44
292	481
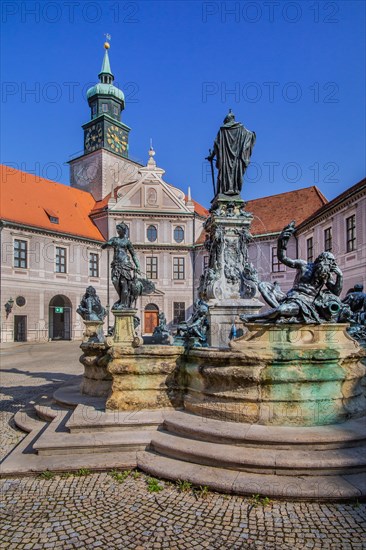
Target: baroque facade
51	234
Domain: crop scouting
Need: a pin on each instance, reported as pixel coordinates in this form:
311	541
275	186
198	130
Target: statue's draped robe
233	147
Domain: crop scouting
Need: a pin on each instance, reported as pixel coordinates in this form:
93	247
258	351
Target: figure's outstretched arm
107	244
282	243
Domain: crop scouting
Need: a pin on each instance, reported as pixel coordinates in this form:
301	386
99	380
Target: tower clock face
94	137
117	139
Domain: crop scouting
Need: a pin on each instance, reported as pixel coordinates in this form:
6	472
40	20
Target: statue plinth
223	314
229	285
93	332
124	328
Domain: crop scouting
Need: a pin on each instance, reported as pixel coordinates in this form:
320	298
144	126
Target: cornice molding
45	232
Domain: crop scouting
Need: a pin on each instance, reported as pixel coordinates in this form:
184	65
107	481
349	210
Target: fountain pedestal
284	375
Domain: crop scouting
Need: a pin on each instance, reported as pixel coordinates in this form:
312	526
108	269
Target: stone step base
27	420
266	461
314	488
86	418
347	434
57	440
69	396
25	461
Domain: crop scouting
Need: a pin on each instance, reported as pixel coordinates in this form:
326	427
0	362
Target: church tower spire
105	129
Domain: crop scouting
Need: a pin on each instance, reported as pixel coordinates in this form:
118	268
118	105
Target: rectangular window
309	249
115	110
328	239
351	233
152	267
60	260
105	107
93	265
179	312
20	254
178	268
205	262
276	264
94	109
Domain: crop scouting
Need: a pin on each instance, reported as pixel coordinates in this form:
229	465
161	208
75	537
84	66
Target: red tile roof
30	200
272	213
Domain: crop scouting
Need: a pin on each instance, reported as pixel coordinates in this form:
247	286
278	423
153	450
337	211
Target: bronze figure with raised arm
314	297
124	273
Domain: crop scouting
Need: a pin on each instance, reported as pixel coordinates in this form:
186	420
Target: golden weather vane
108	39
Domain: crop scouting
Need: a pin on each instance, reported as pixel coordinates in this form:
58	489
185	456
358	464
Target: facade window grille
328	239
61	260
152	267
20	253
179	311
178	269
152	233
310	249
179	234
93	265
351	233
277	266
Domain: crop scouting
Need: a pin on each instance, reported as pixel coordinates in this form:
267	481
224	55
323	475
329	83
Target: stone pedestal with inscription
229	285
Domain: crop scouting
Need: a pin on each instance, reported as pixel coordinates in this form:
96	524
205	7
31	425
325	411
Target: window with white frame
151	267
328	239
277	266
20	253
93	264
179	312
178	269
310	249
351	233
60	260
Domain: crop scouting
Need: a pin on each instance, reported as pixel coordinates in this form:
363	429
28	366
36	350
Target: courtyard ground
133	511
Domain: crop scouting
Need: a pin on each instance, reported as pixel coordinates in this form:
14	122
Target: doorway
60	309
20	328
151	318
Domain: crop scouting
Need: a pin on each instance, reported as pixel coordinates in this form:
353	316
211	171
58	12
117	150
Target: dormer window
52	216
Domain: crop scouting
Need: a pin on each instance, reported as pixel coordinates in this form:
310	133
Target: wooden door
150	321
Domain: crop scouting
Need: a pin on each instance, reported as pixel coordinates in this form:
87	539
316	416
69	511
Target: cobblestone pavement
110	511
29	371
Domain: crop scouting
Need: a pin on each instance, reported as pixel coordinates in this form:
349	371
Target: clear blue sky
292	71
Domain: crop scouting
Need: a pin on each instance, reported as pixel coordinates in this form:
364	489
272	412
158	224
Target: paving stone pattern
95	511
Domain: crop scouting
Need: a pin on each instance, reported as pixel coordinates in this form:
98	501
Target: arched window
178	234
152	233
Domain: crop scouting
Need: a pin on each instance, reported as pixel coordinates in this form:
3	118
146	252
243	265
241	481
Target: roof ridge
288	193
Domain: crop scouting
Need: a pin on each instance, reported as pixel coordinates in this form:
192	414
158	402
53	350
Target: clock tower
104	163
106	102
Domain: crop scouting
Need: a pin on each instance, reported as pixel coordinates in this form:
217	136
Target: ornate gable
150	192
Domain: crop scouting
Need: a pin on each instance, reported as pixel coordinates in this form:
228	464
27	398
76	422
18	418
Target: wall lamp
9	306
